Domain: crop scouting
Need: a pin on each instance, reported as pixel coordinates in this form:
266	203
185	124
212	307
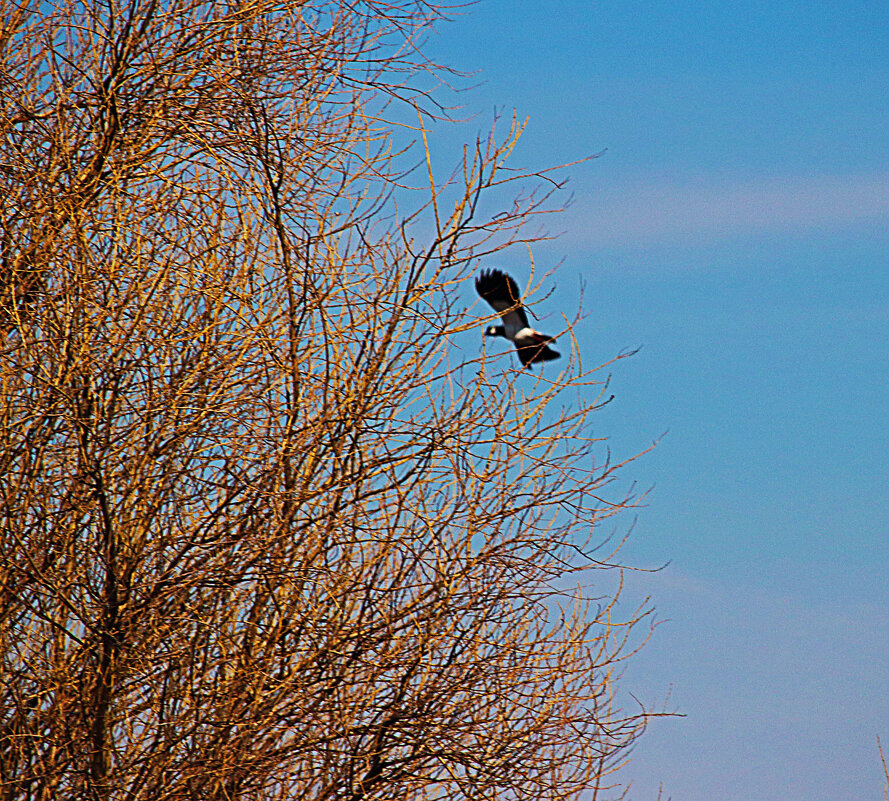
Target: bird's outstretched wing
533	348
502	292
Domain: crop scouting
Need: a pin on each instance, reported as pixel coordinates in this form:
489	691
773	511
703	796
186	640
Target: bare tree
266	532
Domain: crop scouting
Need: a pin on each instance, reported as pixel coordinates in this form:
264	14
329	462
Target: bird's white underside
528	335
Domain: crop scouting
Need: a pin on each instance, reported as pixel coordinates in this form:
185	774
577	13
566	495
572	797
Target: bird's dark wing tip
532	354
495	285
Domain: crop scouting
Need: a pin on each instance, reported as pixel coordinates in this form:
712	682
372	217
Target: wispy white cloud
676	211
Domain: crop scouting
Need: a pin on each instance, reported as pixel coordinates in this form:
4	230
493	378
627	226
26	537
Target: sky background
737	228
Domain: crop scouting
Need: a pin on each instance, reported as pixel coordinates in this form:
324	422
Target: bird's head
495	331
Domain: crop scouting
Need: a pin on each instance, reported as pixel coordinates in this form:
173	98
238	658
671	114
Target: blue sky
738	229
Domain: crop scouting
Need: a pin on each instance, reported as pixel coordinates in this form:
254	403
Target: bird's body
502	293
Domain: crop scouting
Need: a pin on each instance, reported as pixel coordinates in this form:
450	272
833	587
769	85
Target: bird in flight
502	292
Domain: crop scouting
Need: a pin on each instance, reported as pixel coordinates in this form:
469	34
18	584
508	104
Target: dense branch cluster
263	534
